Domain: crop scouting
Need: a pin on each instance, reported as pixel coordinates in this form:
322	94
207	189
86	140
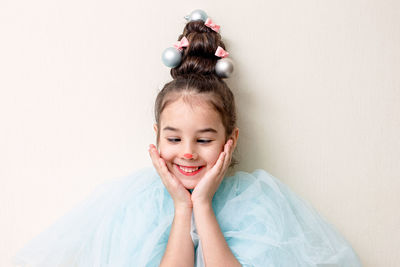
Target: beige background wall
317	85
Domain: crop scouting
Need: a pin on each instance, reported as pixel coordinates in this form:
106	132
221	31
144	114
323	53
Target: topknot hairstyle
196	77
199	57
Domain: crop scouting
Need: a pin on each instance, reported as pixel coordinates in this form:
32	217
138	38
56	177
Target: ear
234	136
155	127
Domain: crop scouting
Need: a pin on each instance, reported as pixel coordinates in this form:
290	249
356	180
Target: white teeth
188	169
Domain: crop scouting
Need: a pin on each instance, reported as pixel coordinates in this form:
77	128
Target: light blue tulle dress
126	222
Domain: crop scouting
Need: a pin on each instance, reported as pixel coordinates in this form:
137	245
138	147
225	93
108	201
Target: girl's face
190	128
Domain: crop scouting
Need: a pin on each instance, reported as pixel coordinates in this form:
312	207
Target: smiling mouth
189	170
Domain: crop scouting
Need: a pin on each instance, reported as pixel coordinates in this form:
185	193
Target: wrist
183	210
202	204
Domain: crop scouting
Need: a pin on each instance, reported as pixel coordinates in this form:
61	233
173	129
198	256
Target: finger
219	164
159	164
154	157
163	171
228	149
166	174
154	149
222	169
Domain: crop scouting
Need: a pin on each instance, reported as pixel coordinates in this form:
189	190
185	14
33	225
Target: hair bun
199	56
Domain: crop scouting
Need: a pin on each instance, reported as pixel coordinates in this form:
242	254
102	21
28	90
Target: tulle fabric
126	222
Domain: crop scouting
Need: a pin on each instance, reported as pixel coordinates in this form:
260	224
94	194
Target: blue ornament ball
224	67
197	14
171	57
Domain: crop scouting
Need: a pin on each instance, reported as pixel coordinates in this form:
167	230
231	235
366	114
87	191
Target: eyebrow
205	130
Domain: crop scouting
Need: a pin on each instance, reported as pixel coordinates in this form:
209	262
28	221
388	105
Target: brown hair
195	76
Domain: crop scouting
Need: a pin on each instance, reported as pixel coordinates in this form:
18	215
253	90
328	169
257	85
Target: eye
204	141
173	140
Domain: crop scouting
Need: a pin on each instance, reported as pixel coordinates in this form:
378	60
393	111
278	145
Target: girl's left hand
208	185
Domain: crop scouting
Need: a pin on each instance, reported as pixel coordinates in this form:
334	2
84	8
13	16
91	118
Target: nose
188	152
190	156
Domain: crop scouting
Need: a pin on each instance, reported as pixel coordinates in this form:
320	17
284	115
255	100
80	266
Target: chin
189	184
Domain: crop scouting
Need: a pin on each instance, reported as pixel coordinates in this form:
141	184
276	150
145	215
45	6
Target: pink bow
211	25
221	52
181	44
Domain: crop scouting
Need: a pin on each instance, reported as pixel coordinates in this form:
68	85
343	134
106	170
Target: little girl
183	211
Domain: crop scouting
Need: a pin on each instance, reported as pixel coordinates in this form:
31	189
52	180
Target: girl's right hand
180	195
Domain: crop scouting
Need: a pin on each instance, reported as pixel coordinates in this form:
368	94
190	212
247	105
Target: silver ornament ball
171	57
224	67
197	14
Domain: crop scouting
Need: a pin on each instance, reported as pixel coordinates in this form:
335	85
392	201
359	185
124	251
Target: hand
208	185
178	192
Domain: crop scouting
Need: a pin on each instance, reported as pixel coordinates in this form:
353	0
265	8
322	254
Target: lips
189	170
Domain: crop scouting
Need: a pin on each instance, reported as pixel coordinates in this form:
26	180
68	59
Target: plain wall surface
317	85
